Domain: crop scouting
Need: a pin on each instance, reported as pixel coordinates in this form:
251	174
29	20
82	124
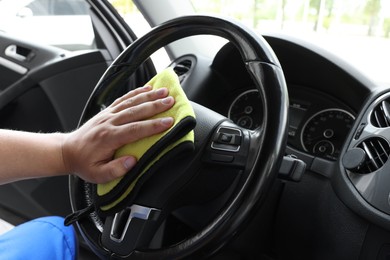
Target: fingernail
161	91
129	162
167	100
147	87
167	121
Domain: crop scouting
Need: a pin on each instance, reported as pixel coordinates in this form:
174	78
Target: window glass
355	30
62	23
134	18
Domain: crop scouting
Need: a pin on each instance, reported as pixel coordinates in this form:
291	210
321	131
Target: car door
52	54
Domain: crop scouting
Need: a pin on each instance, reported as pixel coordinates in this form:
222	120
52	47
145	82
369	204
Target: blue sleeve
42	238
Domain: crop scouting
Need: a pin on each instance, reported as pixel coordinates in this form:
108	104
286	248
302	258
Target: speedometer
246	110
324	133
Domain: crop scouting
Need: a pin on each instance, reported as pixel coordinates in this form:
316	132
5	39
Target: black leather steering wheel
249	166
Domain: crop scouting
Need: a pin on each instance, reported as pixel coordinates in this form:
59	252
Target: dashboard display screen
296	114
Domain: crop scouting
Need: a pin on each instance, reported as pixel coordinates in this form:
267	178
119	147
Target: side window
61	23
132	16
137	22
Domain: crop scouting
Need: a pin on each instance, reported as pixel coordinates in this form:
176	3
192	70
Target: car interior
311	178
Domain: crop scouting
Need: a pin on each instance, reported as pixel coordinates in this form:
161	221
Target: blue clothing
42	238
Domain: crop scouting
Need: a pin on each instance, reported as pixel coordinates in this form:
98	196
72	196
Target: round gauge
246	110
324	133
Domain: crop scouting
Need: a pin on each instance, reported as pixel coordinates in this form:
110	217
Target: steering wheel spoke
130	229
228	146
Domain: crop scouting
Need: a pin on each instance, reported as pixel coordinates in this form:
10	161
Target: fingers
112	170
143	111
139	104
119	167
116	168
138	130
89	150
138	96
131	94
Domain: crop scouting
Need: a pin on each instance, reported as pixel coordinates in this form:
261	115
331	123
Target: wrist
65	152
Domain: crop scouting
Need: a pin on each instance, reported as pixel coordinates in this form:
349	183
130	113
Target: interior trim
13	66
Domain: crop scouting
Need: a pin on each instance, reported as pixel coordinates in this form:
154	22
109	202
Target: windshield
357	31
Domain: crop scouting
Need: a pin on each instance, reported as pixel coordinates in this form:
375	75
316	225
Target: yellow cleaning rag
115	195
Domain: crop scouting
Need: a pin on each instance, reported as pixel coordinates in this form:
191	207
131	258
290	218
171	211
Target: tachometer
246	110
324	133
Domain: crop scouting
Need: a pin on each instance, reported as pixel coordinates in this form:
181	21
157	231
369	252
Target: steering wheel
231	178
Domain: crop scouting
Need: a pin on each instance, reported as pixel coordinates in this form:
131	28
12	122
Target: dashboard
331	108
318	123
330	122
324	100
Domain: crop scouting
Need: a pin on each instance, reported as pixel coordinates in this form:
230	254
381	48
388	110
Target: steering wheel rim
266	147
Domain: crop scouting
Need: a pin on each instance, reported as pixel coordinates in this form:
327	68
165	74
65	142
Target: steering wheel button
225	138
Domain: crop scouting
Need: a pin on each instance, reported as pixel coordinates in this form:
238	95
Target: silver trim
238	98
136	211
227	150
373	187
11	51
316	114
13	66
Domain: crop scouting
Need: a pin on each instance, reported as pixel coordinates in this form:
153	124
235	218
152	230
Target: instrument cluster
318	123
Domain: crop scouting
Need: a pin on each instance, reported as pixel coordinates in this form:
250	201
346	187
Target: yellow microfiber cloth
116	195
153	148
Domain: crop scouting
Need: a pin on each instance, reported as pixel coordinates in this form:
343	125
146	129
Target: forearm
88	151
26	155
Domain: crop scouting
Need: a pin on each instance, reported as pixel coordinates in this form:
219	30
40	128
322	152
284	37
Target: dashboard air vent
381	115
182	68
377	152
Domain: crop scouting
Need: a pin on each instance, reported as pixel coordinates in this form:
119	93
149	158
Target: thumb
117	168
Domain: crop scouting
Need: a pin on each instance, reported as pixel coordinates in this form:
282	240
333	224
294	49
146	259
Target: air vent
377	153
381	115
182	68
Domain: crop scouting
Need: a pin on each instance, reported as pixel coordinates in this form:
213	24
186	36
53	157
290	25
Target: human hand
88	151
